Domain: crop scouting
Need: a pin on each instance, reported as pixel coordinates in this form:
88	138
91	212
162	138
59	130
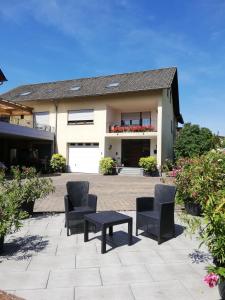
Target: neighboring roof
13	109
97	86
2	77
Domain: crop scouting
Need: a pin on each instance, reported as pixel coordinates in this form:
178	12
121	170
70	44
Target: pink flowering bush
199	178
211	279
215	276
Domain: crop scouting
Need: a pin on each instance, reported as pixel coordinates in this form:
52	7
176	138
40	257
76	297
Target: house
124	116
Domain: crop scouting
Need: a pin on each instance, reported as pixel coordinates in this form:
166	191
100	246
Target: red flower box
131	128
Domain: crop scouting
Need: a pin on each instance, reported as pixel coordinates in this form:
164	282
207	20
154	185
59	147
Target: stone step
130	171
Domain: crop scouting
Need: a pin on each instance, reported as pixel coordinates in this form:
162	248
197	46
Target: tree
193	141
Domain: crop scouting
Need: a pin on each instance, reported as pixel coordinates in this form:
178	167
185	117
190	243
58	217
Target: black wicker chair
156	214
78	203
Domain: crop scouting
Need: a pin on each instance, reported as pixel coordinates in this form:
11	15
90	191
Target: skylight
113	84
75	88
25	93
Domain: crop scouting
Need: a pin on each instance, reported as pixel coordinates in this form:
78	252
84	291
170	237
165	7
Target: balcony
18	116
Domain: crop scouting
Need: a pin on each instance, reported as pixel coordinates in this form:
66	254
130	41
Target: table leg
85	230
103	250
130	230
110	230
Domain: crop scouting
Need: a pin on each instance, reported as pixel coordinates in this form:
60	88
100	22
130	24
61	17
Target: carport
22	145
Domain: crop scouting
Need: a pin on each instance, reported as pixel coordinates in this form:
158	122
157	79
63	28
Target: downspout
56	125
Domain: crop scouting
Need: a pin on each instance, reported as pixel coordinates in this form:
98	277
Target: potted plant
148	164
10	212
213	237
32	186
211	231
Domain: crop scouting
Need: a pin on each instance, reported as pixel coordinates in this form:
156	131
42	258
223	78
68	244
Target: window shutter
81	115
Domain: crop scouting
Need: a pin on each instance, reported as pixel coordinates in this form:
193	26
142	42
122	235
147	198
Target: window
80	117
41	118
130	119
146	118
75	88
143	118
25	93
113	84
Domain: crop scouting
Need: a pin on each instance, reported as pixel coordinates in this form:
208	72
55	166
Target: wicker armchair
156	214
78	203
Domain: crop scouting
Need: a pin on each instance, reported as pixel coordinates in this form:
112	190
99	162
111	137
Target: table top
107	217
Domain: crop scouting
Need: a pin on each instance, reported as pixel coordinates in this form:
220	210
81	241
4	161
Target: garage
84	157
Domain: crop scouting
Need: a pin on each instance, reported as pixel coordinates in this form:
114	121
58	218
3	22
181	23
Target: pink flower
211	279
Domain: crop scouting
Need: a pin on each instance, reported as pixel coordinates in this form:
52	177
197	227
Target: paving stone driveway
41	263
114	192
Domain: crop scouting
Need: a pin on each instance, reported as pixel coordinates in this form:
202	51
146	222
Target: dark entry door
132	150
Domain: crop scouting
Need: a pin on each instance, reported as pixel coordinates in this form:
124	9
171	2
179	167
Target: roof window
113	84
25	93
75	88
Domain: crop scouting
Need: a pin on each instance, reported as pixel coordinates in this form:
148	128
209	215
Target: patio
41	262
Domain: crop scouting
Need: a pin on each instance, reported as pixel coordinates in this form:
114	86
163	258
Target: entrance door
132	150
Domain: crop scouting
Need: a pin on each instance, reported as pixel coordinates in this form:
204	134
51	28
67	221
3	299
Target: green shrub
201	177
58	163
106	165
193	141
148	164
10	202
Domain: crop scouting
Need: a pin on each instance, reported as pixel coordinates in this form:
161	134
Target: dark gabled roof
2	76
97	86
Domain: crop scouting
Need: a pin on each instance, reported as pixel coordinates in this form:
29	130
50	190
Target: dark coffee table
104	220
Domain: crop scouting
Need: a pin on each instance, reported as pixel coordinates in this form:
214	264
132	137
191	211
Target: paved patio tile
13	264
137	258
103	292
198	289
76	249
52	262
161	272
124	275
23	280
47	294
97	260
170	290
72	278
174	255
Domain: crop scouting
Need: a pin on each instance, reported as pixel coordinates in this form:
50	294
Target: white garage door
84	157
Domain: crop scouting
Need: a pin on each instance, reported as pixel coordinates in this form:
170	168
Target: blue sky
48	40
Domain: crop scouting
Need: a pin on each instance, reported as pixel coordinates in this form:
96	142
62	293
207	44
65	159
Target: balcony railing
26	123
131	128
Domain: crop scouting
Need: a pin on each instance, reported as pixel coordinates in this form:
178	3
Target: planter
221	287
193	208
1	243
28	207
